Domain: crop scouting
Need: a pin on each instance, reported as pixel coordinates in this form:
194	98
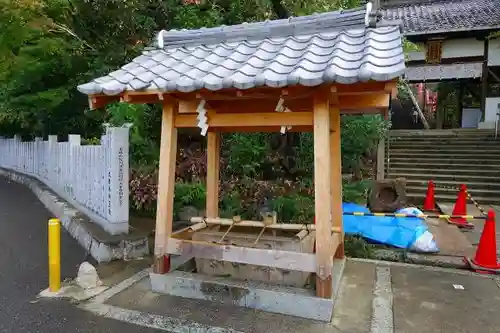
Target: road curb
102	246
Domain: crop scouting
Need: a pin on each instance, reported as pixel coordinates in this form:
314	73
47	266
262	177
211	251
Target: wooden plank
166	183
256	129
249	119
322	194
188	106
293	261
363	88
364	102
258	224
100	101
213	172
368	102
336	178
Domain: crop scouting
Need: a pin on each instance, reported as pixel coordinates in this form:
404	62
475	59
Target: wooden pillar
484	80
381	159
381	151
336	176
213	172
439	116
322	195
166	185
460	103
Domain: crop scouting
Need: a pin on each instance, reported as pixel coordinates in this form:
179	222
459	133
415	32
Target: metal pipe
54	255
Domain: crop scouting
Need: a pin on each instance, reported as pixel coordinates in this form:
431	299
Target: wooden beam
258	224
293	261
263	93
142	99
248	119
322	194
243	114
258	129
188	106
336	178
364	88
337	244
100	101
166	184
367	101
213	171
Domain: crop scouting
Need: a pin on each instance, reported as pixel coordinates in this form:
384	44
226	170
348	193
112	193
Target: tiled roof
344	47
437	16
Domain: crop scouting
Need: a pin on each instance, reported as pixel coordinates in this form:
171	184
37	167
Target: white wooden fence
94	178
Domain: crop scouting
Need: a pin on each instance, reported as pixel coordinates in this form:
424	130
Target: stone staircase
449	158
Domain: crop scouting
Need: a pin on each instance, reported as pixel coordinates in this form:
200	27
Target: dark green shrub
357	247
294	208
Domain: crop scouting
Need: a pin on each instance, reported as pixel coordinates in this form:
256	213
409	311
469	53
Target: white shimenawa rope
202	117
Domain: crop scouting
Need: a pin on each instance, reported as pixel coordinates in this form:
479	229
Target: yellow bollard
54	255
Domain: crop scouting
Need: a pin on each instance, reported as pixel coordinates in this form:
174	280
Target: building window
434	51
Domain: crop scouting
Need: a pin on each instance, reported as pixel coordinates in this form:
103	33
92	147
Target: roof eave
444	31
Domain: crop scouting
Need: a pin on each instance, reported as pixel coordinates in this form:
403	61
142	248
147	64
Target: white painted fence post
118	177
17	152
74	141
52	160
37	169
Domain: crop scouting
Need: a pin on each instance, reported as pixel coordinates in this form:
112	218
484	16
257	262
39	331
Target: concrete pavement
23	272
374	296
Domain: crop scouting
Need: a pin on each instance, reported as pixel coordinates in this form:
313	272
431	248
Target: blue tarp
394	231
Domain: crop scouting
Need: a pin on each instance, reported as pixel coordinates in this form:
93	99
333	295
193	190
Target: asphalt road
23	271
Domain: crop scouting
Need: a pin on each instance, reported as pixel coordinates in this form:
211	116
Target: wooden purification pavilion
238	79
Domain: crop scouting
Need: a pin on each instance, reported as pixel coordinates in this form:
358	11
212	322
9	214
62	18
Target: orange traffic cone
429	202
486	254
460	208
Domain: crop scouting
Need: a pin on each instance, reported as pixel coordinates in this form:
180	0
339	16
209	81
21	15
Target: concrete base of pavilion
298	302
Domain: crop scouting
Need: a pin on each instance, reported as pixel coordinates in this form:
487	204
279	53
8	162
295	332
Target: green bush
189	194
231	204
355	192
245	153
357	247
360	135
144	149
144	189
295	208
91	141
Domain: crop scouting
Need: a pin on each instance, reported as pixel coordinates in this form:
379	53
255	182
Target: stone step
419	197
480	193
409	169
447	148
435	154
441	133
417	160
477	140
440	145
478	177
467	165
471	185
